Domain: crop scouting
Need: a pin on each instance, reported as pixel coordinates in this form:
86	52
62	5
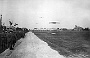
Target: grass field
67	42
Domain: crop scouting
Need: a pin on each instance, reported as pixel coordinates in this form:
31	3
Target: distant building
78	28
63	29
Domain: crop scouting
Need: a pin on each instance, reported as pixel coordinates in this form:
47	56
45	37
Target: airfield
51	44
66	42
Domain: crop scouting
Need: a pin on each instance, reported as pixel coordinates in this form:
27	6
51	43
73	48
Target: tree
87	29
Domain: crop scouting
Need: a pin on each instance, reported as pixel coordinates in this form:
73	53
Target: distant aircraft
36	23
41	17
54	22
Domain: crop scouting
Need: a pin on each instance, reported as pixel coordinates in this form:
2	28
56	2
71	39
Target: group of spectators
8	39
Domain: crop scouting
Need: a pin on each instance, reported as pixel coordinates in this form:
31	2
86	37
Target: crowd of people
8	37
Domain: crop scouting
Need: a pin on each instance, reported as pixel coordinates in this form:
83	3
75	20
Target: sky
38	13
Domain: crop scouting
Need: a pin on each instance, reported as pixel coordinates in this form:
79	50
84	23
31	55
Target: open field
46	46
67	42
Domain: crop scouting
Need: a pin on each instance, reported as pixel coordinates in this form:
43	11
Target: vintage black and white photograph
44	28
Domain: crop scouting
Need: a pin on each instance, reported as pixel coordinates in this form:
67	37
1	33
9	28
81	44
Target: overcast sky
38	13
